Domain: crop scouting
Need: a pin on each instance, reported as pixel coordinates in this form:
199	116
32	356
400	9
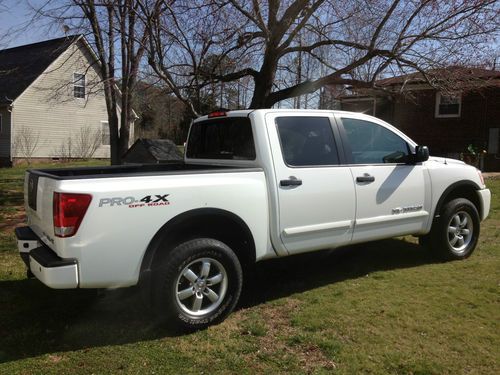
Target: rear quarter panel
113	238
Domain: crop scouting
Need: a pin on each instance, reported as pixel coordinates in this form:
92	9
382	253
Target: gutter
10	109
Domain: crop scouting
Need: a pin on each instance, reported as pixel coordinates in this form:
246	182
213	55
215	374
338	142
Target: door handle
365	178
292	181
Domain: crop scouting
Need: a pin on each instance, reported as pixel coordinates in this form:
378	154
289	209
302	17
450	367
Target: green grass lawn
383	307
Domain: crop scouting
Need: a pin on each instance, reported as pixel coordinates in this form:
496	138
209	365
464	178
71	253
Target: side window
307	141
374	144
79	85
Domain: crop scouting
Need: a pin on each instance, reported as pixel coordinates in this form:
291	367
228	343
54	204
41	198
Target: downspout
10	109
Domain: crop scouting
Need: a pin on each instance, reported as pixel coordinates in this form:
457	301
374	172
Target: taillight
69	210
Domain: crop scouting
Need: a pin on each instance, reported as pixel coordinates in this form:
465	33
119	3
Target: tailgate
38	195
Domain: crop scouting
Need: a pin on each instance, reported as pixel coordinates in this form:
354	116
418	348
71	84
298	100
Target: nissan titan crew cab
253	185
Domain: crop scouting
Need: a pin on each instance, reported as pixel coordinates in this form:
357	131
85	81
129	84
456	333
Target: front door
315	193
392	197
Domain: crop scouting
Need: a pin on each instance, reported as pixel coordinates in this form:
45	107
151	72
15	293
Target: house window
79	85
105	133
448	105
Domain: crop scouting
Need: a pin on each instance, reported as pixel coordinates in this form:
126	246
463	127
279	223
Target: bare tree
116	23
87	141
65	150
82	145
351	42
26	142
115	31
188	48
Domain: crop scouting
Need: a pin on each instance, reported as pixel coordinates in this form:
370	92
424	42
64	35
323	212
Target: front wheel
455	233
198	284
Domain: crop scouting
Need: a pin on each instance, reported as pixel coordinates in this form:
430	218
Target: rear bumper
485	201
45	264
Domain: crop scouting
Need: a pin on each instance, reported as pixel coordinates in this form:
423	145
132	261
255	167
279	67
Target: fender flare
450	189
183	220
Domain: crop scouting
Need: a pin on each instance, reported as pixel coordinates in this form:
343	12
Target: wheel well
467	190
206	222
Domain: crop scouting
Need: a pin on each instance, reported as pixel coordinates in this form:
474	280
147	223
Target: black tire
442	236
179	311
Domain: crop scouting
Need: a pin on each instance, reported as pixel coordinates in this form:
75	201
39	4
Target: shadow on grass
10	197
36	320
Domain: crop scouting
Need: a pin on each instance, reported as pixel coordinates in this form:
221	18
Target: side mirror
421	154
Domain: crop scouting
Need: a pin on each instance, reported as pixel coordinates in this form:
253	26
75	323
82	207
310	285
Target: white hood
445	160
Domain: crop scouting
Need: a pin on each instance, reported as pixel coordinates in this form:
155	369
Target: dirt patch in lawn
12	218
275	333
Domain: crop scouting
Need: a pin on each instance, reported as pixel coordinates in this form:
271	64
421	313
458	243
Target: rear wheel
455	233
198	284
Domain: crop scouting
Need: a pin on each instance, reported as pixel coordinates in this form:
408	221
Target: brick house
451	123
52	101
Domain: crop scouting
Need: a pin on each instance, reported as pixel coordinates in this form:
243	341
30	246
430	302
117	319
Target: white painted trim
84	85
109	140
11	124
387	218
437	103
345	224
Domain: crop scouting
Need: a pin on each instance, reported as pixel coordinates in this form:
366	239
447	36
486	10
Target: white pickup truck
254	185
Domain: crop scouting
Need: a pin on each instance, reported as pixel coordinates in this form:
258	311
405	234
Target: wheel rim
201	286
460	231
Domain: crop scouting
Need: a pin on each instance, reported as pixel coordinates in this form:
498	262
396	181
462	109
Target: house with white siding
52	103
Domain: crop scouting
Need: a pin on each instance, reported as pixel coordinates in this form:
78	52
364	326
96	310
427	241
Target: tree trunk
113	136
264	81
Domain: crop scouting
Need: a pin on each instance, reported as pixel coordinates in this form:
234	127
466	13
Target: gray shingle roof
457	73
162	149
20	66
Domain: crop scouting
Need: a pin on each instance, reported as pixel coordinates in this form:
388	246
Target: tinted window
225	138
307	141
371	143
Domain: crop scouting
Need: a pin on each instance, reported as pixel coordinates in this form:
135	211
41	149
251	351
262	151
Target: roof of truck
246	112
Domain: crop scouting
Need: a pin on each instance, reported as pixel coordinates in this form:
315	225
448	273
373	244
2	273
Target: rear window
224	138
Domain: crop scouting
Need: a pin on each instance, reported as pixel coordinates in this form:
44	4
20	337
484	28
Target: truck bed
135	170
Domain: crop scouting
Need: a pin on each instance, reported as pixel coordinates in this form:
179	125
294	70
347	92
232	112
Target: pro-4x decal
133	202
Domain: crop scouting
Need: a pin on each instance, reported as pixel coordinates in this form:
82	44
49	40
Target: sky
14	16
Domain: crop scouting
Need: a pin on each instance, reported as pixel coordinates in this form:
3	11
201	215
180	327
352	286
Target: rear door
315	192
392	197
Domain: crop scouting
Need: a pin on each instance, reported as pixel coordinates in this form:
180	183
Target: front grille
32	190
